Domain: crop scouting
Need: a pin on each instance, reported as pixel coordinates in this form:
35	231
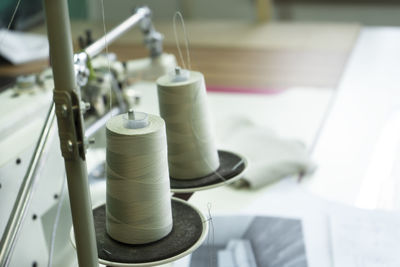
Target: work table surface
338	94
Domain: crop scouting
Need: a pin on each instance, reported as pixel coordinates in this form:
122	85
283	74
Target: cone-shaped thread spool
183	105
138	203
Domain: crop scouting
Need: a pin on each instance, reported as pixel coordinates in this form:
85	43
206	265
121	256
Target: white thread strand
194	131
106	45
56	221
211	236
191	147
179	14
138	190
11	20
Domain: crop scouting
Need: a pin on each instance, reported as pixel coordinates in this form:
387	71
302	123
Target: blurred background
367	12
307	90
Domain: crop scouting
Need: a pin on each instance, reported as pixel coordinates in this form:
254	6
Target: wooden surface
274	35
244	55
12	70
256	68
263	10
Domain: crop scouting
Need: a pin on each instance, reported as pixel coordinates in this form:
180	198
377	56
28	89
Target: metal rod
64	80
22	201
98	124
98	46
60	41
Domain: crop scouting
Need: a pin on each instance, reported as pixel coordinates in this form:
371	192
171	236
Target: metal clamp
82	71
68	112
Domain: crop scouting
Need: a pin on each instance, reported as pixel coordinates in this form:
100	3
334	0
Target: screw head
131	114
70	146
64	110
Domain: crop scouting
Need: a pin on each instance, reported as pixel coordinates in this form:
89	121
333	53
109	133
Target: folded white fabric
21	47
270	157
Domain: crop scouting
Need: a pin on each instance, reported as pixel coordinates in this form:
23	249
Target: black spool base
188	232
231	168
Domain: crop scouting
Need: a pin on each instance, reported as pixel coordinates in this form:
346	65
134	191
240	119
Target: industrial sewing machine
43	233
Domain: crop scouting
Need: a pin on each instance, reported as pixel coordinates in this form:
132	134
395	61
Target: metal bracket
152	38
70	126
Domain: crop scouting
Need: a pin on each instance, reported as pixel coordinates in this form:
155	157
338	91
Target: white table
357	150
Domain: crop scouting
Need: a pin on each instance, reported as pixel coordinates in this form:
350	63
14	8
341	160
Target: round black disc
186	231
231	165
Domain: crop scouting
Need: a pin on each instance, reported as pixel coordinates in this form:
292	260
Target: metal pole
24	194
70	126
98	124
98	46
23	199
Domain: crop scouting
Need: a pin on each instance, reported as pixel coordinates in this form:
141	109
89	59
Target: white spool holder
179	75
135	120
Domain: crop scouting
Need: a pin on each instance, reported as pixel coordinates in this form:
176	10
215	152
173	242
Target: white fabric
270	156
19	47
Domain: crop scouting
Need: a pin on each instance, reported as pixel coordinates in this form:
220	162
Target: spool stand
182	84
189	227
188	233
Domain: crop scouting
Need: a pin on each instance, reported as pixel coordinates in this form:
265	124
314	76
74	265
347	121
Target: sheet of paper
19	47
250	241
362	238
